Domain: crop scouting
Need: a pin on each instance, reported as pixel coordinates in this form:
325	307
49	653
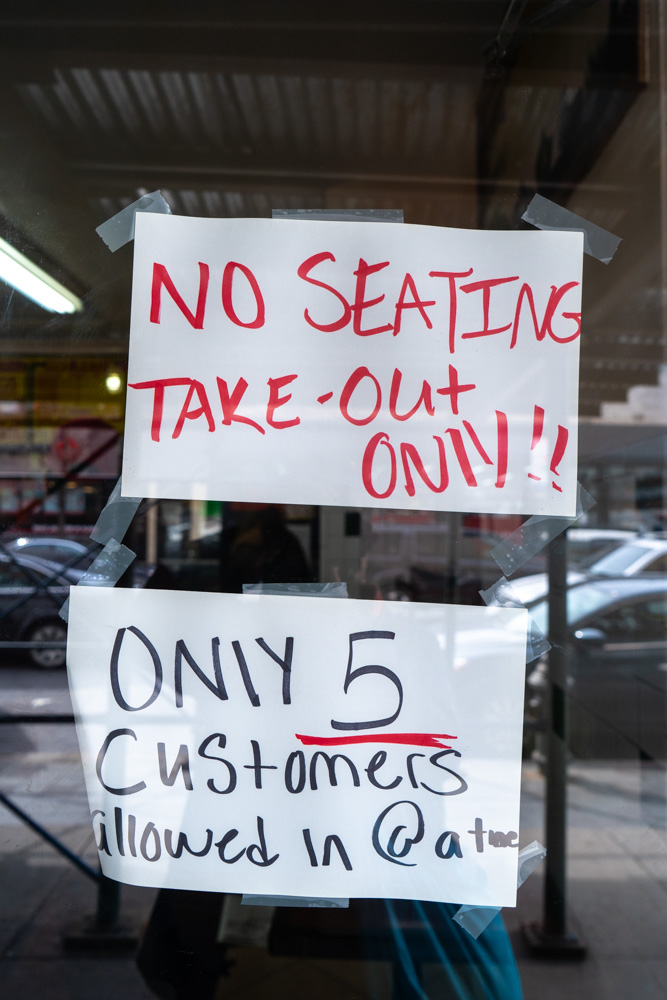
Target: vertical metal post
556	790
108	904
454	523
152	534
102	931
552	939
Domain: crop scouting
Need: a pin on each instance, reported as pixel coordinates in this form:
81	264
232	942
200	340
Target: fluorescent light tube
35	284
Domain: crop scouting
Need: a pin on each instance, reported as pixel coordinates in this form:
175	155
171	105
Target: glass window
456	113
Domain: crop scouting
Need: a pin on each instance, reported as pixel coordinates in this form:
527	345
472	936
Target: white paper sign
281	745
354	364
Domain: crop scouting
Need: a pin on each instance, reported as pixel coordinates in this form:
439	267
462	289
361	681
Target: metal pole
556	790
108	904
552	939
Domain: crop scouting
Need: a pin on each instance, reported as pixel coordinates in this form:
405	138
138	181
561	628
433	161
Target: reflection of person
183	956
180	957
259	548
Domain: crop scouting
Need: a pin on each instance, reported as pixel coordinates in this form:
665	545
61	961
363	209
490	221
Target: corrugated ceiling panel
110	113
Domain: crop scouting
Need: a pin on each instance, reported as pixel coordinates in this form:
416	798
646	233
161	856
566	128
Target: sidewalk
617	891
617	884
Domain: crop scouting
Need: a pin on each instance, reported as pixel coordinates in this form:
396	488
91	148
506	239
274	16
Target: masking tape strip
475	919
501	595
119	229
116	517
306	901
339	214
338	589
105	571
535	533
530	858
547	215
243	926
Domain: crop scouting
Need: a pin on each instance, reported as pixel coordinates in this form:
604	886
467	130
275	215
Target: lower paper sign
280	745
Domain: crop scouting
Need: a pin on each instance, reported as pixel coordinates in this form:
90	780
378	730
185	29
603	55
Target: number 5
373	668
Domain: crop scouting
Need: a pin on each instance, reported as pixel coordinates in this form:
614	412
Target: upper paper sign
291	746
354	364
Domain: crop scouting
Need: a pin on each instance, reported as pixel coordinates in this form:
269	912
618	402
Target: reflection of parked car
29	605
409	561
617	668
69	555
641	555
587	545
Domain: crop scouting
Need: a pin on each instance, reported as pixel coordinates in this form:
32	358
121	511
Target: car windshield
582	554
618	561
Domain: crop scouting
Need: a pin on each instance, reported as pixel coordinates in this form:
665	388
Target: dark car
617	668
31	594
70	556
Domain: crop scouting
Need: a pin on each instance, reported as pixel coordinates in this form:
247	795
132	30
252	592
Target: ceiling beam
223	172
450	32
444	36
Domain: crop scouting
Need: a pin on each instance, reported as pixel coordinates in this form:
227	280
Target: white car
587	545
641	555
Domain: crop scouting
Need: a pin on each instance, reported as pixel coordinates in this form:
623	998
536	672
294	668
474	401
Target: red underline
412	739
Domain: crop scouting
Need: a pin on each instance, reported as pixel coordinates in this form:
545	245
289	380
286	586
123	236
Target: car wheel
47	632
